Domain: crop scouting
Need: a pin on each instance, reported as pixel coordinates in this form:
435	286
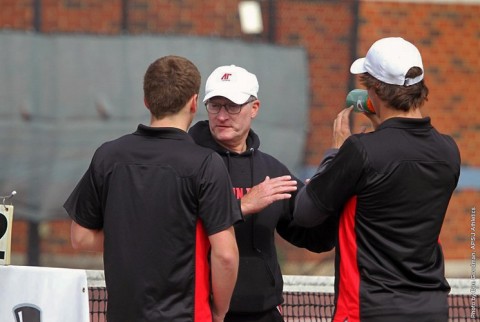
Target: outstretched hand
267	192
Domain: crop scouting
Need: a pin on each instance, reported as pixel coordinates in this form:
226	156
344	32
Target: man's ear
145	102
255	109
194	103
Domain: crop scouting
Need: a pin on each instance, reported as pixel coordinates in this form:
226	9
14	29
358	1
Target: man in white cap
389	189
266	191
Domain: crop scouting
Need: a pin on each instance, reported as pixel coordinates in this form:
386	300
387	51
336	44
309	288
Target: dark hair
399	97
169	83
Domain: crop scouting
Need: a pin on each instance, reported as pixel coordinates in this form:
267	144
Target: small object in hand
360	101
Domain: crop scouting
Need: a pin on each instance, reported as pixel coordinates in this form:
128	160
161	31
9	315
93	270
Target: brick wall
448	36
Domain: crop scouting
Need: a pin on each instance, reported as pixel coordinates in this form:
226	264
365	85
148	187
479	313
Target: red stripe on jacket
348	300
202	312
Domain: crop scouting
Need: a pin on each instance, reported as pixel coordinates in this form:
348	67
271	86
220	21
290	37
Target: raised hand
341	127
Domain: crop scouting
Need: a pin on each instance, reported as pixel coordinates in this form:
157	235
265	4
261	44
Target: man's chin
223	135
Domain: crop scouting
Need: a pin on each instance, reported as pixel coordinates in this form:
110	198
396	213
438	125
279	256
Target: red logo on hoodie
240	192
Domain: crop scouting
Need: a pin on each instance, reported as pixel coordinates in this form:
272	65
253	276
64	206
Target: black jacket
260	284
156	195
391	189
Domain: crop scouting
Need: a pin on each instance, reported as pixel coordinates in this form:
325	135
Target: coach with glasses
265	189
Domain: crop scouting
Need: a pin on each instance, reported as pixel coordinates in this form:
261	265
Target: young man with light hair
161	209
389	189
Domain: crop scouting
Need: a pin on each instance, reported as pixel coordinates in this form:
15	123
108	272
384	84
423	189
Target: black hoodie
259	285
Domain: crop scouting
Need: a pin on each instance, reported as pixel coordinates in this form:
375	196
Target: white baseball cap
389	60
232	82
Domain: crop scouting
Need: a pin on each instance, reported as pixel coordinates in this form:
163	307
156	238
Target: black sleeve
306	213
84	203
327	158
331	187
320	238
218	207
317	239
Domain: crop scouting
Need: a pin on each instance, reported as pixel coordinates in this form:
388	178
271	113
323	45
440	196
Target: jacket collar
162	132
406	123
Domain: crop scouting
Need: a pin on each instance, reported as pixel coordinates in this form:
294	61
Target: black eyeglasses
231	108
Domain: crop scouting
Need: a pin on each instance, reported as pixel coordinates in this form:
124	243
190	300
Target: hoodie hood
202	136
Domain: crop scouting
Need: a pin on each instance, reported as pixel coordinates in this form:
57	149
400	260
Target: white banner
6	222
41	294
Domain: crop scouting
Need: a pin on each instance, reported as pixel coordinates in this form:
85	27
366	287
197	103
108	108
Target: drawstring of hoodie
228	160
252	150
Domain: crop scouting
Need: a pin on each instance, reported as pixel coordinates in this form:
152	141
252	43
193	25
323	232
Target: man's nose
223	114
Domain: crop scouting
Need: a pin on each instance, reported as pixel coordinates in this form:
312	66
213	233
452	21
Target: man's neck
238	148
171	121
180	120
387	113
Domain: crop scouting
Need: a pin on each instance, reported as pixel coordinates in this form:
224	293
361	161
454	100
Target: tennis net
310	298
